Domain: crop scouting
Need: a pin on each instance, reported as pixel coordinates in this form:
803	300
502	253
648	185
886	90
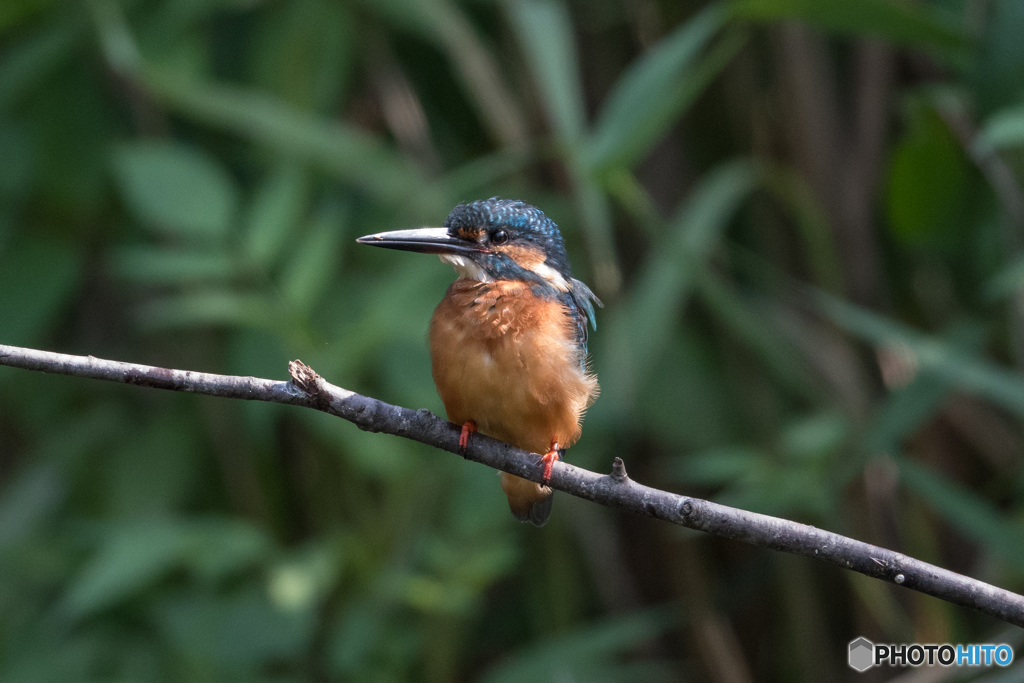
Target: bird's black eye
499	237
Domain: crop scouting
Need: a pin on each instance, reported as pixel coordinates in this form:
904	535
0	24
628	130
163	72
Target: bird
508	341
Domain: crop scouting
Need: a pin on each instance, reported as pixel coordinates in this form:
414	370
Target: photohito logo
863	654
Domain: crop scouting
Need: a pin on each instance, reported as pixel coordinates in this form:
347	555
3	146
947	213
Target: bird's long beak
422	240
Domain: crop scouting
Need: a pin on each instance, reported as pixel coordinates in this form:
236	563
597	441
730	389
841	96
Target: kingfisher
508	342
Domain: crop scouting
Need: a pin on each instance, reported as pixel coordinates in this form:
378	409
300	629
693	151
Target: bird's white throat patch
552	276
465	268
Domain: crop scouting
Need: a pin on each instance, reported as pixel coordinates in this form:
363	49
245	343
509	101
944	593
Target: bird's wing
582	306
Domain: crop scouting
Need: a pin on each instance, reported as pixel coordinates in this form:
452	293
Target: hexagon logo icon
862	654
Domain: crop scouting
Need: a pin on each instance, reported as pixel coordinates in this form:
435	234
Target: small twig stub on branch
619	470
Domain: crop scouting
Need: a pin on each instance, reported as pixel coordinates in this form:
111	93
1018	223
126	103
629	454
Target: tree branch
309	390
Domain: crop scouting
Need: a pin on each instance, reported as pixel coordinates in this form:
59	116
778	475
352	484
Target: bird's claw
467	429
548	462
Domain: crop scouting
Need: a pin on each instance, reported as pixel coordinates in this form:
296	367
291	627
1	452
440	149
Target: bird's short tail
529	501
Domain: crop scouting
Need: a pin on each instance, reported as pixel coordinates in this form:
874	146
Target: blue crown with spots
521	220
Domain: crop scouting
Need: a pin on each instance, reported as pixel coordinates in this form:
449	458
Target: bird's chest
506	359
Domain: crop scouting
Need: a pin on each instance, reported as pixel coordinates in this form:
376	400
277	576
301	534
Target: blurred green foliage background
805	218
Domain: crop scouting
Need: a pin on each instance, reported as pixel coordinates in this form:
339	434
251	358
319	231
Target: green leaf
903	24
241	631
30	497
343	150
217	547
904	410
782	492
549	46
475	176
585	653
306	578
212	307
315	262
1004	129
716	467
965	511
548	42
927	190
135	555
360	627
653	91
155	266
815	436
688	383
593	207
1004	283
445	24
479	566
18	153
37	278
811	219
902	413
415	16
14	11
755	331
998	76
152	468
131	558
304	52
1000	385
176	189
26	64
643	324
625	188
275	212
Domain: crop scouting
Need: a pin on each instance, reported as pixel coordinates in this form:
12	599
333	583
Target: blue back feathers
581	303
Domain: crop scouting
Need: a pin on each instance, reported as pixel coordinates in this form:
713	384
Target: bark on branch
308	389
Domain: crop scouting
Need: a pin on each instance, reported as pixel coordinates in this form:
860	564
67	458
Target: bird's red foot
467	429
548	461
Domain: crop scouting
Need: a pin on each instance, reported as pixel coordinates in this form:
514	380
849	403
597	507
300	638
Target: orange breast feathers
508	360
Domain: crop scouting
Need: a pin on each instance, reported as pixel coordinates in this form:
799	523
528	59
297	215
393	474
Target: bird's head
491	239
